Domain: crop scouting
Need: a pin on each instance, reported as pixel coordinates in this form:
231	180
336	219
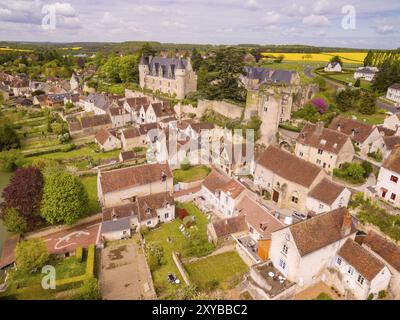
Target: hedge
63	148
79	254
89	273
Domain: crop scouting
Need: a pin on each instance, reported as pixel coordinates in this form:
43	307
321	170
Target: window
251	230
320	151
282	264
339	261
166	216
350	270
285	249
360	279
393	196
149	222
318	161
301	153
394	179
295	199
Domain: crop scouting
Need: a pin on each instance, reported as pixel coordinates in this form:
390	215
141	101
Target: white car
299	215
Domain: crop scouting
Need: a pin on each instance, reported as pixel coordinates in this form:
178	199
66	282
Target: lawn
219	270
171	239
323	296
90	183
27	286
348	78
193	174
377	118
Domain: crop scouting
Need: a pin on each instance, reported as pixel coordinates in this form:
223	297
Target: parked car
299	215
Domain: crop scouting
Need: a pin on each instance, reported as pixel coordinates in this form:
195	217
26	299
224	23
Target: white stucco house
393	93
107	140
392	122
365	73
333	67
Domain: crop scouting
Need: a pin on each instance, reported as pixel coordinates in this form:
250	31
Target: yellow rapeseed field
18	50
349	57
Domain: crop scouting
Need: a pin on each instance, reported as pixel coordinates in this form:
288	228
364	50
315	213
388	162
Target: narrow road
308	72
385	105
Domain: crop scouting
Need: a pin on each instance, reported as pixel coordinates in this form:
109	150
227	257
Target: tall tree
65	199
147	50
336	59
8	137
24	193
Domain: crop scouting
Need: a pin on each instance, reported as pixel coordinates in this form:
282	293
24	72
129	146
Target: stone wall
226	109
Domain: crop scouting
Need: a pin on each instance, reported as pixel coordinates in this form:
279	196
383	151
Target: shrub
155	254
211	285
182	213
382	294
185	165
90	261
367	168
144	231
320	105
377	155
90	290
370	296
351	172
14	221
79	254
11	160
31	254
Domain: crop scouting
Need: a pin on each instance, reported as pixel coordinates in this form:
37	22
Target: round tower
143	71
180	77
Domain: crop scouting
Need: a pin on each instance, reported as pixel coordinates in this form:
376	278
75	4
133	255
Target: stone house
221	231
89	125
155	112
324	147
106	140
95	102
358	271
363	135
131	138
302	251
172	76
327	196
121	186
119	117
286	178
133	105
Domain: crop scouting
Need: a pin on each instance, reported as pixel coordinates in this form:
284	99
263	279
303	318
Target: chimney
353	132
347	224
339	128
319	128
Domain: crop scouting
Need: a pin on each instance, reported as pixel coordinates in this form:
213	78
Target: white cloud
173	24
322	6
316	20
295	9
251	4
65	9
385	29
271	17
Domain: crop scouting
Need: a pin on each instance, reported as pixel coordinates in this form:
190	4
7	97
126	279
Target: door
275	196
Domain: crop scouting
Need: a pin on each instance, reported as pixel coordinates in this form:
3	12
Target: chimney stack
319	128
347	224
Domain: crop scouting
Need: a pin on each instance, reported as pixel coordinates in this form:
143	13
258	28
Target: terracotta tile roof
128	155
391	142
362	260
185	192
289	166
356	130
149	204
321	230
136	103
215	181
121	179
202	126
102	136
144	128
117	111
385	131
258	217
74	126
233	188
322	138
326	191
393	161
386	249
95	121
229	226
163	110
131	133
118	212
8	253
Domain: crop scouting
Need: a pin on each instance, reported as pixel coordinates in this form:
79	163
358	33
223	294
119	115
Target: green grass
219	269
377	118
323	296
90	184
193	174
177	240
27	286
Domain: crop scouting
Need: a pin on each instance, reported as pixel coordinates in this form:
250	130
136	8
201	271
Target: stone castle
173	76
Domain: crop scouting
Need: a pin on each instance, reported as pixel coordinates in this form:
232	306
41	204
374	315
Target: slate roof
395	86
288	166
168	66
269	75
116	225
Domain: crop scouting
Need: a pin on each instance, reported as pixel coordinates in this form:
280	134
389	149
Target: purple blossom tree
320	105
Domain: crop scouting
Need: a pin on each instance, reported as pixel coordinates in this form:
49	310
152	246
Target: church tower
180	77
143	71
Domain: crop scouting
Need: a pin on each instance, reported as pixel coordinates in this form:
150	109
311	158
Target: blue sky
313	22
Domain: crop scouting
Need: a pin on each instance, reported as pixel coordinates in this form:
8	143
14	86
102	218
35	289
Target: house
363	135
89	125
119	117
388	252
148	211
286	178
392	122
95	102
121	186
222	193
173	76
56	100
74	82
359	271
333	67
256	76
23	101
302	251
107	140
127	156
261	223
71	98
221	231
192	130
324	147
366	73
155	112
133	106
327	196
388	185
393	93
235	158
131	138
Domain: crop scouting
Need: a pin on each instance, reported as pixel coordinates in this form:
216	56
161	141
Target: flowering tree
320	105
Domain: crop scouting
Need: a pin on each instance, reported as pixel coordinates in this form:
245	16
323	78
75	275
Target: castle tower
180	77
143	71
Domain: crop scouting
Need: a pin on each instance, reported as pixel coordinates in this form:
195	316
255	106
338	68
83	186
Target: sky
330	23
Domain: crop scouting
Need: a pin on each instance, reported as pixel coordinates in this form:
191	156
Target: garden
189	173
354	173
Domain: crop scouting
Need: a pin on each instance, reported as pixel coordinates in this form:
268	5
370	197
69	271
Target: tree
321	82
37	93
197	60
347	99
90	290
336	59
368	103
31	254
128	69
24	192
65	199
14	221
257	53
11	160
357	84
155	254
147	50
8	138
